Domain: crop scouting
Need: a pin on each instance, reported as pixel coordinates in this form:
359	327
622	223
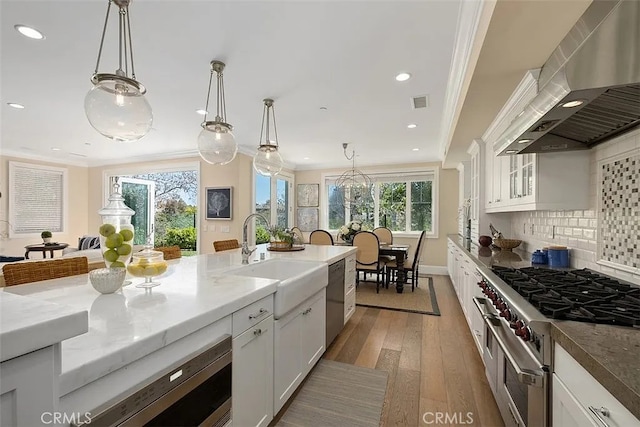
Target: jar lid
557	248
116	205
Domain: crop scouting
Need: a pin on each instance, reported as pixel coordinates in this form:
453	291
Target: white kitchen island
134	334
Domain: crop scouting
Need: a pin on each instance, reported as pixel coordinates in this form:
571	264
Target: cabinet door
566	411
252	379
313	332
489	156
287	372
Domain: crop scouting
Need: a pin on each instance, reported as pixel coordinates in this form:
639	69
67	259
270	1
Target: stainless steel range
518	308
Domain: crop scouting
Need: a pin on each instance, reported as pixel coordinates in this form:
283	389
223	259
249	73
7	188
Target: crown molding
22	154
472	26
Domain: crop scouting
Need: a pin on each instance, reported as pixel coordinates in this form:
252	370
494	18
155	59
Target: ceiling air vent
421	101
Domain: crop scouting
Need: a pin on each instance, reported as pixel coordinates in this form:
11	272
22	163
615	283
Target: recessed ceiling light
323	108
511	151
412	126
572	104
87	143
403	77
305	158
201	112
416	149
30	32
15	105
524	141
55	149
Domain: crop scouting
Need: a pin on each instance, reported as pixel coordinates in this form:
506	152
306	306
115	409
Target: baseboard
440	270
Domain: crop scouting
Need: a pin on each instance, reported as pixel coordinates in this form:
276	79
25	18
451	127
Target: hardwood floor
433	364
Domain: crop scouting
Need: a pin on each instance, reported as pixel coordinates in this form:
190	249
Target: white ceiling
342	55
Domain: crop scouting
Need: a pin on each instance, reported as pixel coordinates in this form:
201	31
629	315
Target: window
272	199
401	201
37	199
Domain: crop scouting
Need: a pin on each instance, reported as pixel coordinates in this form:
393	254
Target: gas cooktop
579	295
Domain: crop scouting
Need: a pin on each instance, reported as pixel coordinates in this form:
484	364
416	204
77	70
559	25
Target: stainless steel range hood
596	67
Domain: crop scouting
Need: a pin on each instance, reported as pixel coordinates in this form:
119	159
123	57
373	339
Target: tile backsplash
610	229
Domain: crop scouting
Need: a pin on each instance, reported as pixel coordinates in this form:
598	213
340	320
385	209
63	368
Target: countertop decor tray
291	249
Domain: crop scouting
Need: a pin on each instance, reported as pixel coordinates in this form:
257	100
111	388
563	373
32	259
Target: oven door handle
529	377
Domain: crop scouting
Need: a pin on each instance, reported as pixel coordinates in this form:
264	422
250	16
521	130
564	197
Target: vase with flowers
347	231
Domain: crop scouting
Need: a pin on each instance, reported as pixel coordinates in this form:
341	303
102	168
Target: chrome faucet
246	253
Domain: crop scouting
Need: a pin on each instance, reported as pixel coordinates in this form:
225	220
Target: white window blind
37	199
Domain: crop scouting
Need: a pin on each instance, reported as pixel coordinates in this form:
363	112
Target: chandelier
268	161
355	186
216	143
116	106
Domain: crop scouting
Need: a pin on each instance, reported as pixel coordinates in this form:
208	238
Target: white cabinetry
298	344
252	379
580	400
29	388
349	287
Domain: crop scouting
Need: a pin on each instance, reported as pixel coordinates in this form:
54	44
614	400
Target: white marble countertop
28	324
133	323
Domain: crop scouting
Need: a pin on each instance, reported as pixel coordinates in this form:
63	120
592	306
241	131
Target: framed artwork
307	219
308	194
219	202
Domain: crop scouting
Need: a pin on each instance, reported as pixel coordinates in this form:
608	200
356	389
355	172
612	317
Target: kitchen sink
299	280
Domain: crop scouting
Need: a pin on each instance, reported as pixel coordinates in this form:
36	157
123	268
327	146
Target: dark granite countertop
611	354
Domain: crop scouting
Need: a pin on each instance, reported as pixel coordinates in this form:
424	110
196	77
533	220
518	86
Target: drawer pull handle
599	413
260	313
257	332
307	311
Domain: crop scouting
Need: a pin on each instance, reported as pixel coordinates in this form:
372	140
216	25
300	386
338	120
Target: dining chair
170	252
368	256
412	273
320	237
384	235
27	272
226	245
298	237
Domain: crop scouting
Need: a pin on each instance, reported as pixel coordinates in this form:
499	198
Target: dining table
399	252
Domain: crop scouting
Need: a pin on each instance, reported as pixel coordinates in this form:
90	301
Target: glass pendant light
116	106
268	161
216	143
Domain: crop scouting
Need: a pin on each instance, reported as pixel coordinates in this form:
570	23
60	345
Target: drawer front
349	272
252	314
349	304
591	395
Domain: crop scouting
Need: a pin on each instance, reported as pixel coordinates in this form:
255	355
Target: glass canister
147	263
116	231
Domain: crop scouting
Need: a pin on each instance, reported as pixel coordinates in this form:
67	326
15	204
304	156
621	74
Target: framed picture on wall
219	202
307	219
307	195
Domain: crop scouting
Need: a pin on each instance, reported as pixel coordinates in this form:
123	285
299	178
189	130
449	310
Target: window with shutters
37	199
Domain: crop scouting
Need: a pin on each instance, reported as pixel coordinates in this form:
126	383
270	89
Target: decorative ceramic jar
485	241
116	231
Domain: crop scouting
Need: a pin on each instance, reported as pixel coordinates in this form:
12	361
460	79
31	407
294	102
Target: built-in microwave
194	393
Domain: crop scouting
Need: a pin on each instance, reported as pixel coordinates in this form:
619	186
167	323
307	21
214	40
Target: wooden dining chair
170	252
320	237
298	237
368	256
27	272
412	271
226	245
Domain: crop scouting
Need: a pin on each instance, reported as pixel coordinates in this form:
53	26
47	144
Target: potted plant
46	236
281	238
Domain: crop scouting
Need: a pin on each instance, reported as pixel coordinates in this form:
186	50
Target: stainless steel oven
194	393
520	383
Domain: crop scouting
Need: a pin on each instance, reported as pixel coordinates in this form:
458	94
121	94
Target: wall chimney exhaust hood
589	88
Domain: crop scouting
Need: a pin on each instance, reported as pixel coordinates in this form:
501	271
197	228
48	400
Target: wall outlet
224	228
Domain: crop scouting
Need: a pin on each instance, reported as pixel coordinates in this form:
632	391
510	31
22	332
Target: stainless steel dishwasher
335	301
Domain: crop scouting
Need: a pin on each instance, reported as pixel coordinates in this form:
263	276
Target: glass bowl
107	280
148	264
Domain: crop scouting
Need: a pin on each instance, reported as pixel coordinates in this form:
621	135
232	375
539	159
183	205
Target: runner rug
338	394
422	300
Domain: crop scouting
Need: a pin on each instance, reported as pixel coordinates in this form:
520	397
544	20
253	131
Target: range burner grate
579	295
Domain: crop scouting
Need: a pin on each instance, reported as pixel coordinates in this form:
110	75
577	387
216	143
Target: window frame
396	175
289	178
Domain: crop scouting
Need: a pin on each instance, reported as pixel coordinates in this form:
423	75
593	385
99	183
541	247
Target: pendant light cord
124	41
104	31
206	107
